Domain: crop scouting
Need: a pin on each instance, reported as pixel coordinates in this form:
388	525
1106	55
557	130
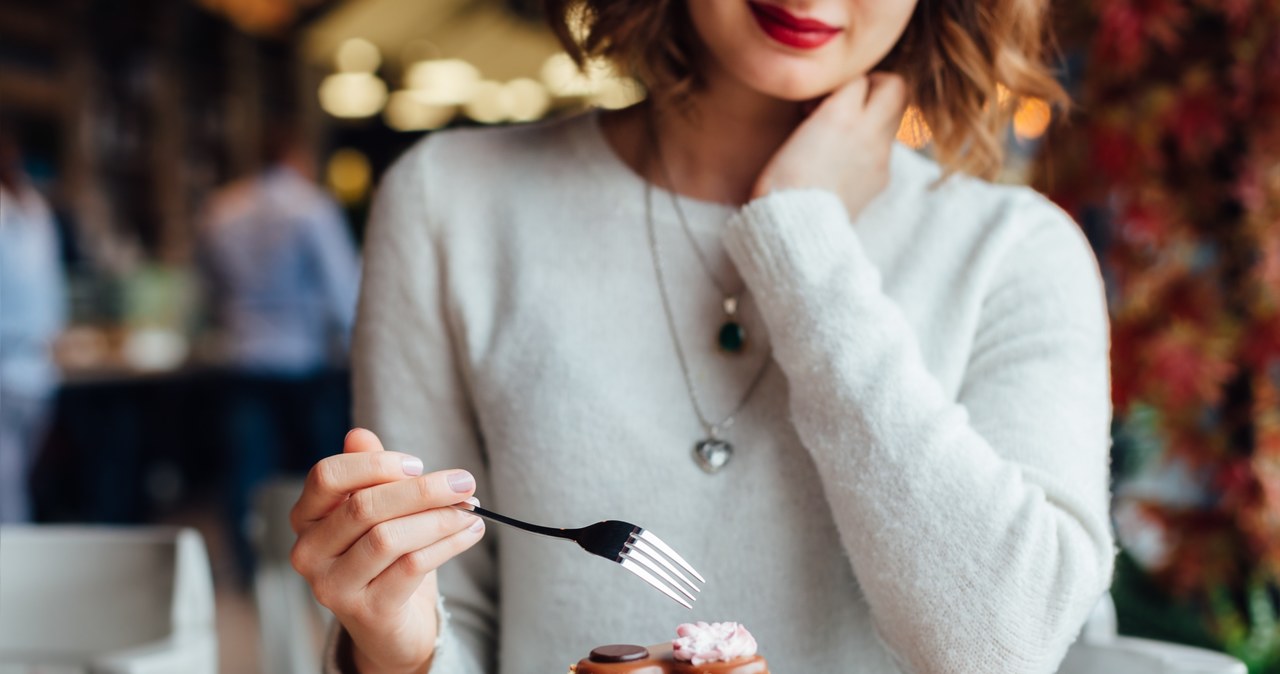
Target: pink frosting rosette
701	643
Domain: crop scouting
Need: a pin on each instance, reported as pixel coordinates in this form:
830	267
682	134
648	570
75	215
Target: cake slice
699	648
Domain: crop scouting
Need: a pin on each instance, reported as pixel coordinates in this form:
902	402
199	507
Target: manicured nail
462	482
412	466
472	500
477	526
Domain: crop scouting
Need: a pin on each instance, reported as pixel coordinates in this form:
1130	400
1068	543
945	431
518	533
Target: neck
715	148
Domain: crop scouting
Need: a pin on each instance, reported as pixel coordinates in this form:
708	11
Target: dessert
699	648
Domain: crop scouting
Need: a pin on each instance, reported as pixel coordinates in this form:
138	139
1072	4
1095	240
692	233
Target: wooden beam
24	90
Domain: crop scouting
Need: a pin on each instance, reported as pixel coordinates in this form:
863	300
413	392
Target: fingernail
412	466
462	481
472	500
477	526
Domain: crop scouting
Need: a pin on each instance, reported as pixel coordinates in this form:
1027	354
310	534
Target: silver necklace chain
684	223
713	429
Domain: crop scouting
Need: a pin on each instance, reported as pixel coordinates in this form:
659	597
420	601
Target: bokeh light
1032	119
443	81
490	104
406	111
349	175
527	99
357	55
913	131
563	77
352	95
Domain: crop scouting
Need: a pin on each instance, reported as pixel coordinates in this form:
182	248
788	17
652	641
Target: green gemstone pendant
732	337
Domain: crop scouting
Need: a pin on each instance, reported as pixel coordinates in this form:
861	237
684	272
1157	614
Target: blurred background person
281	274
33	311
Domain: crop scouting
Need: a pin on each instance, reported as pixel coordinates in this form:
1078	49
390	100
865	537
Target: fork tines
648	557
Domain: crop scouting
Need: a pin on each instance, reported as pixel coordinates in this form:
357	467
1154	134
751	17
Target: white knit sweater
920	482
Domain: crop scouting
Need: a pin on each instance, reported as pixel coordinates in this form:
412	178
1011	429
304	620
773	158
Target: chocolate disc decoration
618	653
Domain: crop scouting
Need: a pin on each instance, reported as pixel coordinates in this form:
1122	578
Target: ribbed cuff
792	238
339	658
444	638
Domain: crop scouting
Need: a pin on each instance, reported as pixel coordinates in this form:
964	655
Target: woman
903	467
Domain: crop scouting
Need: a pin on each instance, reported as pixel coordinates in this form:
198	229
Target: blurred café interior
143	393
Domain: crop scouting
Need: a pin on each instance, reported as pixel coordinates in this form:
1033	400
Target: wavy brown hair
968	64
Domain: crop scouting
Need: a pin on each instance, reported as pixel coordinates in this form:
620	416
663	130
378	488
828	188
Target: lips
791	30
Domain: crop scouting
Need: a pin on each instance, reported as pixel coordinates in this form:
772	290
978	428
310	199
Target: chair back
91	596
1099	650
292	624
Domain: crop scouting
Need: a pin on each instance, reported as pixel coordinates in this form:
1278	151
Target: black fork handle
568	534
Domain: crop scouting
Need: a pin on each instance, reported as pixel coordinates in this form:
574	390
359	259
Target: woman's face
797	49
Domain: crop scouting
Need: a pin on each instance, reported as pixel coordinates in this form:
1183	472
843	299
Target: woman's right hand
372	530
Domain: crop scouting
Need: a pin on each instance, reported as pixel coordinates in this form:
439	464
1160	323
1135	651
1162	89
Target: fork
635	548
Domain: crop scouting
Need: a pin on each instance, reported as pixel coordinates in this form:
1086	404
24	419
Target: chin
796	83
795	91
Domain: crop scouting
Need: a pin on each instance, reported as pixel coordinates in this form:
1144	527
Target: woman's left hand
844	144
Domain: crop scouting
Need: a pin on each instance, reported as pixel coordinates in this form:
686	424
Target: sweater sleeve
977	527
410	389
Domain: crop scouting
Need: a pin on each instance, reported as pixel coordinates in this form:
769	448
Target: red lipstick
791	30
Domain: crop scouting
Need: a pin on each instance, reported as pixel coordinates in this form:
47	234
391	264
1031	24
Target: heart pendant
712	454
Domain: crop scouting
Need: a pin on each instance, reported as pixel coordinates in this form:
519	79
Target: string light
563	77
349	175
1031	119
527	99
352	95
357	55
490	103
443	81
913	131
259	16
406	111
